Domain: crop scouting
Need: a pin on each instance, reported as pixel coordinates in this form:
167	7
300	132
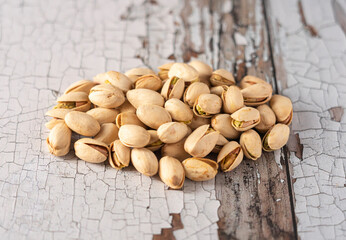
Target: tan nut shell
53	122
172	132
172	172
175	150
222	77
198	121
135	73
76	97
106	96
200	169
223	124
127	107
184	71
257	94
227	149
142	96
209	103
103	115
249	80
81	86
82	123
108	133
203	69
128	118
133	136
177	90
194	91
59	113
232	99
88	149
218	90
119	156
179	111
144	161
163	70
153	116
59	140
283	109
251	144
149	81
246	114
154	139
268	118
221	141
117	79
276	137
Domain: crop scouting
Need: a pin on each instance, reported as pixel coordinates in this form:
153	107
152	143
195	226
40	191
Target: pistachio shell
153	116
184	71
53	122
218	90
249	80
117	79
222	77
77	101
198	121
221	141
194	91
144	161
172	132
257	94
179	111
203	69
59	140
73	97
175	150
232	99
133	136
155	143
103	115
108	133
200	169
268	118
134	73
245	118
149	81
119	156
82	123
172	172
59	113
282	107
173	88
81	86
142	96
127	107
223	124
251	144
91	150
276	137
128	118
201	141
206	105
106	96
163	70
230	156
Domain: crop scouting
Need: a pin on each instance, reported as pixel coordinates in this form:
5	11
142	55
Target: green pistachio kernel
66	105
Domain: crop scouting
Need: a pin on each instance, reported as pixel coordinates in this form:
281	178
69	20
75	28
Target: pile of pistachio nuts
183	114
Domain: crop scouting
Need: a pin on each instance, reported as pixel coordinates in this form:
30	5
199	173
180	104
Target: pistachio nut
173	88
245	118
222	77
119	156
80	86
223	124
172	132
135	73
153	116
58	115
155	143
283	109
106	96
144	161
257	94
127	107
59	140
128	118
103	115
203	69
201	141
184	71
163	70
171	172
175	150
82	123
77	101
198	121
133	136
249	80
117	79
194	91
179	111
91	150
142	96
230	156
200	169
108	133
268	118
251	144
221	141
149	81
218	90
206	105
232	99
53	122
276	137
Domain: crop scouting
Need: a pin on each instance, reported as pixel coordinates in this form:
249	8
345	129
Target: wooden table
298	46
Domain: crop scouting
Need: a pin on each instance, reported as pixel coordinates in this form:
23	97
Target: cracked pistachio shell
230	156
175	150
153	116
91	150
222	77
194	91
163	70
142	96
106	96
223	124
82	123
135	73
283	109
251	144
149	81
103	115
257	94
198	121
201	141
200	169
232	99
245	118
268	118
127	107
276	137
172	132
183	71
59	140
179	111
119	156
116	79
108	133
171	172
173	88
221	141
207	105
249	80
155	143
53	122
58	115
133	136
218	90
128	118
144	161
81	86
203	69
77	101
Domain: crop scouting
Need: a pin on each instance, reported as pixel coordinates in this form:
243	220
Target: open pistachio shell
245	118
200	169
53	122
106	96
232	99
283	109
163	70
175	150
194	91
172	172
133	136
103	115
222	77
249	80
134	73
198	121
268	118
81	86
119	156
203	69
117	79
127	107
173	88
149	81
221	141
230	156
108	133
207	105
251	144
179	111
153	116
184	71
142	96
276	137
77	101
172	132
58	115
144	161
128	118
223	124
82	123
155	143
91	150
257	94
59	140
218	90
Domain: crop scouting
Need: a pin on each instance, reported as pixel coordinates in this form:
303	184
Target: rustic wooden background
299	46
